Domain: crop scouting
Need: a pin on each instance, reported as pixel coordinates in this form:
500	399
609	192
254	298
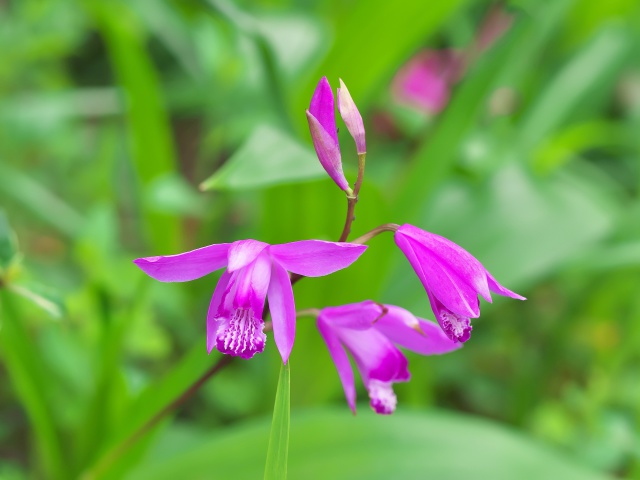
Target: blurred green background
112	113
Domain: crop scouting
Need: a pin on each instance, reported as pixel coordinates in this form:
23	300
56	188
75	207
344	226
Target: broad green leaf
276	465
8	243
337	445
268	157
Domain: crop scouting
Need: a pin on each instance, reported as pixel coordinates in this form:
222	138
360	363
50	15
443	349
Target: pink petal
452	257
341	361
356	316
323	109
252	285
495	287
328	152
352	118
283	310
216	301
457	295
377	358
243	252
315	258
185	266
398	326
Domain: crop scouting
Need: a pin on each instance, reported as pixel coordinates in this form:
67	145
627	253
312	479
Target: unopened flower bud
351	117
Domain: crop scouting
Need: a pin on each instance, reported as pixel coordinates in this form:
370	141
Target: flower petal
322	107
341	361
315	258
495	287
377	358
454	259
328	152
185	266
283	310
252	285
351	117
356	316
243	252
458	296
216	301
401	327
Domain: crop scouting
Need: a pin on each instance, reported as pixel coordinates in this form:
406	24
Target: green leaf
8	243
337	445
152	149
372	39
276	466
268	157
31	381
510	59
590	73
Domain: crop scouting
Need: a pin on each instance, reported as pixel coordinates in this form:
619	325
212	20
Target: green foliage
277	453
113	113
330	444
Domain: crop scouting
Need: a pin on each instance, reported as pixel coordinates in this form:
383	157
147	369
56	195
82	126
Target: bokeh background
511	128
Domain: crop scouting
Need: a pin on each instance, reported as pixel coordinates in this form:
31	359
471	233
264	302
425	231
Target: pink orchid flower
370	332
254	270
452	278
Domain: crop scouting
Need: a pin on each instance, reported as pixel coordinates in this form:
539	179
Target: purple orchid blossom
370	332
452	278
254	270
322	125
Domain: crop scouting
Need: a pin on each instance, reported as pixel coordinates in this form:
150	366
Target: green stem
385	227
352	199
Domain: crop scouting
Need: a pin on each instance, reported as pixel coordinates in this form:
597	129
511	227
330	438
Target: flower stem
385	227
308	312
353	199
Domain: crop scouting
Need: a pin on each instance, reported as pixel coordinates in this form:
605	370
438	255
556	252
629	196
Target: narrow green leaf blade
276	466
31	381
8	242
269	157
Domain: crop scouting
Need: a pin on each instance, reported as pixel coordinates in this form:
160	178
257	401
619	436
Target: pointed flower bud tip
351	117
328	152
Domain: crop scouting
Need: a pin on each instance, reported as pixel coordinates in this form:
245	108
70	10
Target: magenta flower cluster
370	332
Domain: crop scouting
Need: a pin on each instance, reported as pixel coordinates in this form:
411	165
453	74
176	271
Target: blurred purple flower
425	81
370	333
254	270
452	278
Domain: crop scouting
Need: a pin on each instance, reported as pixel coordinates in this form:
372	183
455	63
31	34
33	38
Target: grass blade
276	466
